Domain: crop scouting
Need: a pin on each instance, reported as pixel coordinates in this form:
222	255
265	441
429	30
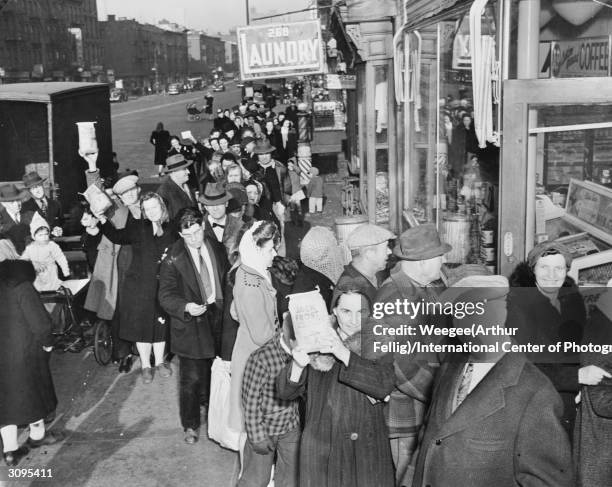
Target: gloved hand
263	447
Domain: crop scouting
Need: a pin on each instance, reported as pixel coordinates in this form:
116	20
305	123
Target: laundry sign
281	50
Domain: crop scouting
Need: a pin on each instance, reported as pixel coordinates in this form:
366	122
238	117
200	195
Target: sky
210	15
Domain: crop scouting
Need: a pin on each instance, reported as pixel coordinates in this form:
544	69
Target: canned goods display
487	237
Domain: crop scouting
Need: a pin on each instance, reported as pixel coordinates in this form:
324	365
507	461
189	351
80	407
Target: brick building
143	55
206	53
50	40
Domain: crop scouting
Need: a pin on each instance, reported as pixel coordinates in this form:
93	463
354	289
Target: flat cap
367	234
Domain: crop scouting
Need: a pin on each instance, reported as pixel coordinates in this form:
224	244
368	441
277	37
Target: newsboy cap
367	234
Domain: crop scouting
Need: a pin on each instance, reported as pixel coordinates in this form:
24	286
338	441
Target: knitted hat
549	248
37	223
320	251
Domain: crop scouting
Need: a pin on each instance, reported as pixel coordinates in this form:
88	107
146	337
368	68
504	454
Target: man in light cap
369	246
421	254
495	419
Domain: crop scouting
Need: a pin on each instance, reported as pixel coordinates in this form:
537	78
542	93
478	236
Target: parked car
219	86
118	95
239	84
175	89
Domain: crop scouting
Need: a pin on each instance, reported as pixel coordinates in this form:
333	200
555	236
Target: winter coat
141	317
507	432
538	322
345	440
53	216
308	279
191	336
161	141
175	198
27	393
593	431
255	307
18	233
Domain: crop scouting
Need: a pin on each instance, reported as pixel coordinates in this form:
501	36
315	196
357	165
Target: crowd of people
196	270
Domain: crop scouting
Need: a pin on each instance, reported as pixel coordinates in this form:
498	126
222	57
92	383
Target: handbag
218	409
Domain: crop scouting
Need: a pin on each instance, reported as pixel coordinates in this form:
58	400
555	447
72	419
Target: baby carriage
69	332
193	114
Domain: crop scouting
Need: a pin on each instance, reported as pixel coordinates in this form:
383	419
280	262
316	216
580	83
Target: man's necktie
464	387
215	225
186	189
43	207
205	276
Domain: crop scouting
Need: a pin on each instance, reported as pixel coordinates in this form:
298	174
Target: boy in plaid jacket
272	424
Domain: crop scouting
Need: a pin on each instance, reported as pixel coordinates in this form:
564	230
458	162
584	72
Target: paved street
134	120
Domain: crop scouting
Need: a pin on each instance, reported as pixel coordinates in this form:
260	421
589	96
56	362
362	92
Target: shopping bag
218	408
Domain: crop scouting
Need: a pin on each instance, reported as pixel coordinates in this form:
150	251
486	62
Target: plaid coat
414	375
265	414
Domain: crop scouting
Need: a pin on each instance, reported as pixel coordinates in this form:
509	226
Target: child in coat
315	192
45	255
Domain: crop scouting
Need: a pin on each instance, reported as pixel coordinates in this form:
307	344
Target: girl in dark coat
345	440
546	307
142	319
160	138
27	394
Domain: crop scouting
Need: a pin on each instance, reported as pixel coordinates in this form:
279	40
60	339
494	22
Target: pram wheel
103	342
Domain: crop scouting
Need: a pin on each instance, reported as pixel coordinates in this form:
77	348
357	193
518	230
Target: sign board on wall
341	81
580	57
280	50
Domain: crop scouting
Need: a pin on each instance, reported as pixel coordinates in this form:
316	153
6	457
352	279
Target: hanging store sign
281	50
341	81
580	58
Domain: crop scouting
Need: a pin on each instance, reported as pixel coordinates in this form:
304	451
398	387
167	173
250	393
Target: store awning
344	42
420	12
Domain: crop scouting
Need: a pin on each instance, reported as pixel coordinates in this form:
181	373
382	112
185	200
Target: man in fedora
13	224
494	419
49	209
369	246
218	225
421	254
273	174
175	190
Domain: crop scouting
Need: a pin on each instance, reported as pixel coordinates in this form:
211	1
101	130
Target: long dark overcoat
345	441
26	386
142	319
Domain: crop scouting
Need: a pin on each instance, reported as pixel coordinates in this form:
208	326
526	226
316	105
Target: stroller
193	114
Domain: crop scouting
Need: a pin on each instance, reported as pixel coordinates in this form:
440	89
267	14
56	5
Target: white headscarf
250	255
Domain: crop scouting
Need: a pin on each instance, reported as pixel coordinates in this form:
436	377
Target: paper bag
186	135
98	200
88	144
310	319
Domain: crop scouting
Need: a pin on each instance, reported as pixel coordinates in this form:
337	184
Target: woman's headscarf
547	248
320	251
250	254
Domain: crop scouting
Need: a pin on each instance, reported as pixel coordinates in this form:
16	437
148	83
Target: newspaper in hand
310	320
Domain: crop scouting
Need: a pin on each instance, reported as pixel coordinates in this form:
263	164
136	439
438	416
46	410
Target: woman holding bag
254	306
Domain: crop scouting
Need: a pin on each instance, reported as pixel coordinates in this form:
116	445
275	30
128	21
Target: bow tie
218	225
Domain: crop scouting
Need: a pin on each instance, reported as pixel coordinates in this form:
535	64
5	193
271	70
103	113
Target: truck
38	131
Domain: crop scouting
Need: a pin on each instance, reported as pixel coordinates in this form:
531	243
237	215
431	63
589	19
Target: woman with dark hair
254	306
142	319
546	307
345	441
27	394
160	138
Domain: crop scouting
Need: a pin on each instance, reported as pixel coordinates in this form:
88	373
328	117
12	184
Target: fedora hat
10	192
176	162
32	179
214	194
264	147
420	243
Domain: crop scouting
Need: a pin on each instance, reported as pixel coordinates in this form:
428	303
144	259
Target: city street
134	120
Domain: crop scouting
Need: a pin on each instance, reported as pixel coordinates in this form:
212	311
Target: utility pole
248	15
